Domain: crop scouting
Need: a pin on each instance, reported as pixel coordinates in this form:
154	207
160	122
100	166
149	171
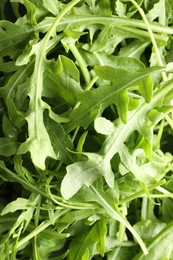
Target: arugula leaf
164	249
11	36
98	99
86	245
86	129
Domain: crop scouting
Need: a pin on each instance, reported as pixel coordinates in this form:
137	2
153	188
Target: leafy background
86	129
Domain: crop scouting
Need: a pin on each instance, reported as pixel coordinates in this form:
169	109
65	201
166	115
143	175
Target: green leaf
85	173
18	204
167	209
103	126
101	58
52	6
164	251
9	129
38	142
9	176
61	142
62	80
8	146
12	34
146	88
122	102
83	246
133	49
98	99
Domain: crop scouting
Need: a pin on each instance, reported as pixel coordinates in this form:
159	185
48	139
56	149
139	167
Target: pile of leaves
86	111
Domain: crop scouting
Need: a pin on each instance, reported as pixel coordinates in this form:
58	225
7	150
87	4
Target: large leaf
86	172
92	103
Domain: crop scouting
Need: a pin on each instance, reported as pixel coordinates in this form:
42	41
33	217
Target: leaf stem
119	217
141	193
39	229
159	135
113	141
106	20
169	120
81	62
160	62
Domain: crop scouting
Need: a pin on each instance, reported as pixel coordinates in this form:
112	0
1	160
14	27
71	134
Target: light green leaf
83	247
38	142
11	35
156	11
61	142
31	12
52	6
85	173
98	99
103	126
144	171
122	103
165	241
146	88
18	204
120	8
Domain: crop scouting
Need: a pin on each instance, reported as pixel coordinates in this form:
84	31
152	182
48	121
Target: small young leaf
122	102
103	126
146	88
18	204
60	141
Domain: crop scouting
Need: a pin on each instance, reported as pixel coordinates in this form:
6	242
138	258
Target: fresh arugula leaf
86	129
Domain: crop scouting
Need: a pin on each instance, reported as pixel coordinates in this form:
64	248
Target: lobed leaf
85	173
92	103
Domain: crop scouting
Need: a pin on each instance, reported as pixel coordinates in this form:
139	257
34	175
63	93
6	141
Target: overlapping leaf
86	172
12	36
92	103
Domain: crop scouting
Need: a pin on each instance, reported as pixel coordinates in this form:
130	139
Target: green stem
115	214
159	135
160	62
91	83
112	143
39	229
122	228
144	208
141	193
119	22
81	62
169	120
54	25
